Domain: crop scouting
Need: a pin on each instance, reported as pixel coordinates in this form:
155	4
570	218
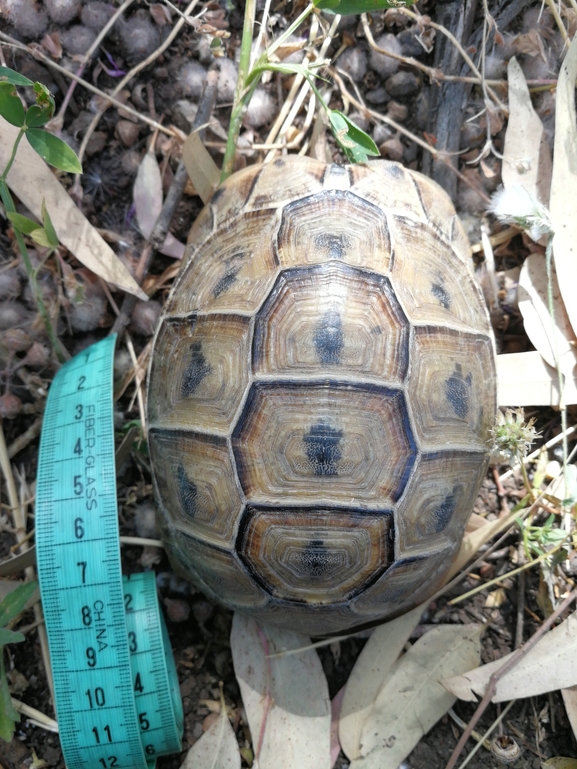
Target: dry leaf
549	340
336	706
560	762
526	157
525	379
216	749
370	671
570	700
564	184
496	598
32	181
285	697
201	168
412	700
550	665
147	195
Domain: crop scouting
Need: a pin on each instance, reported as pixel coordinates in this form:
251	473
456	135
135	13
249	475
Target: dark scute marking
280	163
328	338
225	282
322	448
195	372
395	171
442	295
188	493
336	245
217	195
443	514
457	392
315	558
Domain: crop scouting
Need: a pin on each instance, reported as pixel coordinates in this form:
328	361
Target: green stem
12	156
36	292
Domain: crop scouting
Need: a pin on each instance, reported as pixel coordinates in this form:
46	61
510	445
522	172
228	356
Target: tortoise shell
321	393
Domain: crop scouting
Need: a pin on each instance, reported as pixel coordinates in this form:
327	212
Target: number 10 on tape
115	684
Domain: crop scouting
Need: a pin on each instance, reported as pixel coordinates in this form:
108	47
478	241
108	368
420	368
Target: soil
199	630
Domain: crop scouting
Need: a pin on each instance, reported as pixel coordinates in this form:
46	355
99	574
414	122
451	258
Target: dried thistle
512	436
516	205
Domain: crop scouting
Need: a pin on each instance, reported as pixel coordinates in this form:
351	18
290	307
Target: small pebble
25	16
10	286
397	111
10	406
378	96
17	340
184	114
139	37
392	149
381	133
226	81
145	316
353	61
96	14
145	521
202	611
386	65
261	109
13	315
191	79
37	356
409	43
403	84
78	39
62	11
177	609
127	131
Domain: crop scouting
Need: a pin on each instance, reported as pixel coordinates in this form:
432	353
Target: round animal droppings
145	316
321	391
403	84
96	14
226	83
37	356
88	314
353	61
10	406
78	39
13	314
261	109
191	79
25	16
17	340
62	11
380	62
10	286
139	37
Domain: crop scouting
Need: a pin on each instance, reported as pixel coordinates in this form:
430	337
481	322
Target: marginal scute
390	187
319	555
200	380
196	471
278	185
451	390
334	225
233	269
331	317
362	431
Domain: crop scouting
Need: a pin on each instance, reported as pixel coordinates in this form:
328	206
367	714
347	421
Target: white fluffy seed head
145	316
386	65
516	205
261	110
226	81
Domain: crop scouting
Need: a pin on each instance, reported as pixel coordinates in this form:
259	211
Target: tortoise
321	394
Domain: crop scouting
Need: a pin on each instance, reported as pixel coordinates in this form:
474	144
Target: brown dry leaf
32	181
496	598
564	184
549	340
531	44
526	156
374	664
201	168
147	195
412	700
216	749
570	700
560	762
550	665
285	696
525	379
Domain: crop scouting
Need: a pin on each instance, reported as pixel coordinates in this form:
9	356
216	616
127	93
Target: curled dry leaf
201	168
550	340
412	699
33	181
216	749
147	195
374	664
570	700
550	665
526	157
525	379
560	762
285	696
564	183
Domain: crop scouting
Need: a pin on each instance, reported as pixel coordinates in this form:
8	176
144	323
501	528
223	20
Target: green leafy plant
10	607
55	152
355	143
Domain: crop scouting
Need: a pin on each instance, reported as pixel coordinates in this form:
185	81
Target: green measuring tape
117	698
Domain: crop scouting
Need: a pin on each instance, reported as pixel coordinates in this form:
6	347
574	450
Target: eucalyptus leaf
10	636
11	107
353	7
53	150
356	144
14	603
23	223
14	77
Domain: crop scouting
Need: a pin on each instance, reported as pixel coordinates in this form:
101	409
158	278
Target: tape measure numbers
115	685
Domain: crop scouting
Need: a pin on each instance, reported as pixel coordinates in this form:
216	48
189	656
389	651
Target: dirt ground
168	90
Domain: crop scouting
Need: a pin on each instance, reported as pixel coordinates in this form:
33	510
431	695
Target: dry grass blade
33	181
286	698
412	700
564	184
525	379
526	157
201	168
570	700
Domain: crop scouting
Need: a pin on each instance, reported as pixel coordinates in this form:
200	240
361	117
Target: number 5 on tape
115	683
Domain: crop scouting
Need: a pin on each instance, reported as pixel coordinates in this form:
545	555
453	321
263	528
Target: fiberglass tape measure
117	698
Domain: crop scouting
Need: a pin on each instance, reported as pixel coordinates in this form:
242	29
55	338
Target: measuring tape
117	699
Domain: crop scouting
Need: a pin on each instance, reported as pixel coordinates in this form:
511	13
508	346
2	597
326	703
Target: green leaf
14	602
350	7
23	223
48	226
11	107
53	150
356	144
8	716
14	77
40	236
10	636
36	116
44	99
